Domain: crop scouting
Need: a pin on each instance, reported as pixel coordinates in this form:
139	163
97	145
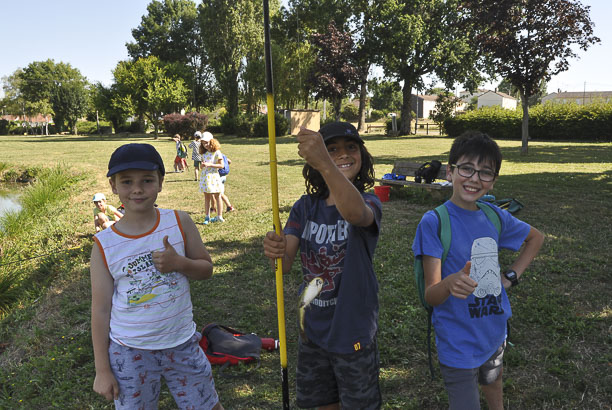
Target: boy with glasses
468	291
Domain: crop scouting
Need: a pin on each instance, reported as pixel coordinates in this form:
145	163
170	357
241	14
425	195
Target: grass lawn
562	315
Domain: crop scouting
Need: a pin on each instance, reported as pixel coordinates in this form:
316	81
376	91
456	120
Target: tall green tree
386	95
59	86
530	41
103	98
424	37
148	87
230	30
171	31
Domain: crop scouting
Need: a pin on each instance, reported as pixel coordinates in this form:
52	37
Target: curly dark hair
316	186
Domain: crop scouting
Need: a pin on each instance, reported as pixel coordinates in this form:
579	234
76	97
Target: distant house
578	97
33	120
493	98
467	96
423	105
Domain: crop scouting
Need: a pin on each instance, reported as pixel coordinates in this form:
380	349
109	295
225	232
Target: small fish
310	292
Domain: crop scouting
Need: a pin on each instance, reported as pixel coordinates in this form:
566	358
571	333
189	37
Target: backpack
227	347
444	233
182	151
225	170
427	172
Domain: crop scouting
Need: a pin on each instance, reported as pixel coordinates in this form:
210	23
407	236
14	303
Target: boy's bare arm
283	246
531	247
102	286
437	290
196	264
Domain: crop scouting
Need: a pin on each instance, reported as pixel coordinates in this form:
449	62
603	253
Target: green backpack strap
444	233
491	214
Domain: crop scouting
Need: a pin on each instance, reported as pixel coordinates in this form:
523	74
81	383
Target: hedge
185	125
546	122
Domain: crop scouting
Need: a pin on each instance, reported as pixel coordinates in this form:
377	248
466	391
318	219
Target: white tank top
150	310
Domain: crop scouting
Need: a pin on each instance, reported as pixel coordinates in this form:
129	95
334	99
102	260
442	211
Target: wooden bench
376	126
408	169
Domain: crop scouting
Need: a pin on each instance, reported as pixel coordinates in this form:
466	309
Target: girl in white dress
210	181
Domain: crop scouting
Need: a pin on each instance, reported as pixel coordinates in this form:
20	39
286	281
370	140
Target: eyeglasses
467	171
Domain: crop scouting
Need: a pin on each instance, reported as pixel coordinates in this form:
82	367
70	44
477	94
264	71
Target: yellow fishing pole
280	299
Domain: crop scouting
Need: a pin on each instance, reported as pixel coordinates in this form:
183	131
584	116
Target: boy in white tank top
141	316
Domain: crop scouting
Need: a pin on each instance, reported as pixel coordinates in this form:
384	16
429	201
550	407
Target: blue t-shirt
344	317
469	331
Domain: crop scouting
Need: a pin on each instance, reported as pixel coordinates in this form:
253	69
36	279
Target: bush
90	127
185	125
135	127
546	122
350	113
281	125
376	115
4	127
240	126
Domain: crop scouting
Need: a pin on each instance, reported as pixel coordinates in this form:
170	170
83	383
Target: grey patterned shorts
325	378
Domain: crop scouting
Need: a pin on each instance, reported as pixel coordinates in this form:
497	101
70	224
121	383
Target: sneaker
215	219
206	220
230	209
220	219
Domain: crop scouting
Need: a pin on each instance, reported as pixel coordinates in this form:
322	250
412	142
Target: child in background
335	227
210	182
141	313
105	214
471	330
195	153
180	163
224	197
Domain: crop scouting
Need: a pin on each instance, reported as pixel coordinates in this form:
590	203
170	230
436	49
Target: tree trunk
232	93
525	124
361	127
337	108
406	113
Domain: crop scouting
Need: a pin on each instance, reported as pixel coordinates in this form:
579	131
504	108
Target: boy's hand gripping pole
280	300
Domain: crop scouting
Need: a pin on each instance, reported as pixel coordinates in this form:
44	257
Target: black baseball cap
135	156
340	129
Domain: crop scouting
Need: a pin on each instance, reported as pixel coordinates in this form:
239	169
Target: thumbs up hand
167	260
460	284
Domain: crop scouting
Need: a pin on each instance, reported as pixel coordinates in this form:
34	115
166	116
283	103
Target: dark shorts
462	384
325	378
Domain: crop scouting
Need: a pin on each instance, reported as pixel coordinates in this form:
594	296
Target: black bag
226	346
427	172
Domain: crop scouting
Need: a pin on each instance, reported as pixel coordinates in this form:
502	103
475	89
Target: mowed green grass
561	328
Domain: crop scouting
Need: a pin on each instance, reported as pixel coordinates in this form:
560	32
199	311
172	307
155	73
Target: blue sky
91	36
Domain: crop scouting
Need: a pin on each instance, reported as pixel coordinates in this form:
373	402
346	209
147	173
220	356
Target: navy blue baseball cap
135	156
340	129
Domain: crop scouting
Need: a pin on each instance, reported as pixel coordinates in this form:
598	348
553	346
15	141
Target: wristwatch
512	277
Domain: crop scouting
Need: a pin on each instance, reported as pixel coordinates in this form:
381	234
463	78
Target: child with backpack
335	227
141	313
195	153
210	182
463	283
180	163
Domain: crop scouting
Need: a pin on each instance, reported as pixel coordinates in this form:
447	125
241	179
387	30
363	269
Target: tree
56	88
103	98
446	105
335	73
229	32
170	31
506	86
530	41
386	95
422	37
149	88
